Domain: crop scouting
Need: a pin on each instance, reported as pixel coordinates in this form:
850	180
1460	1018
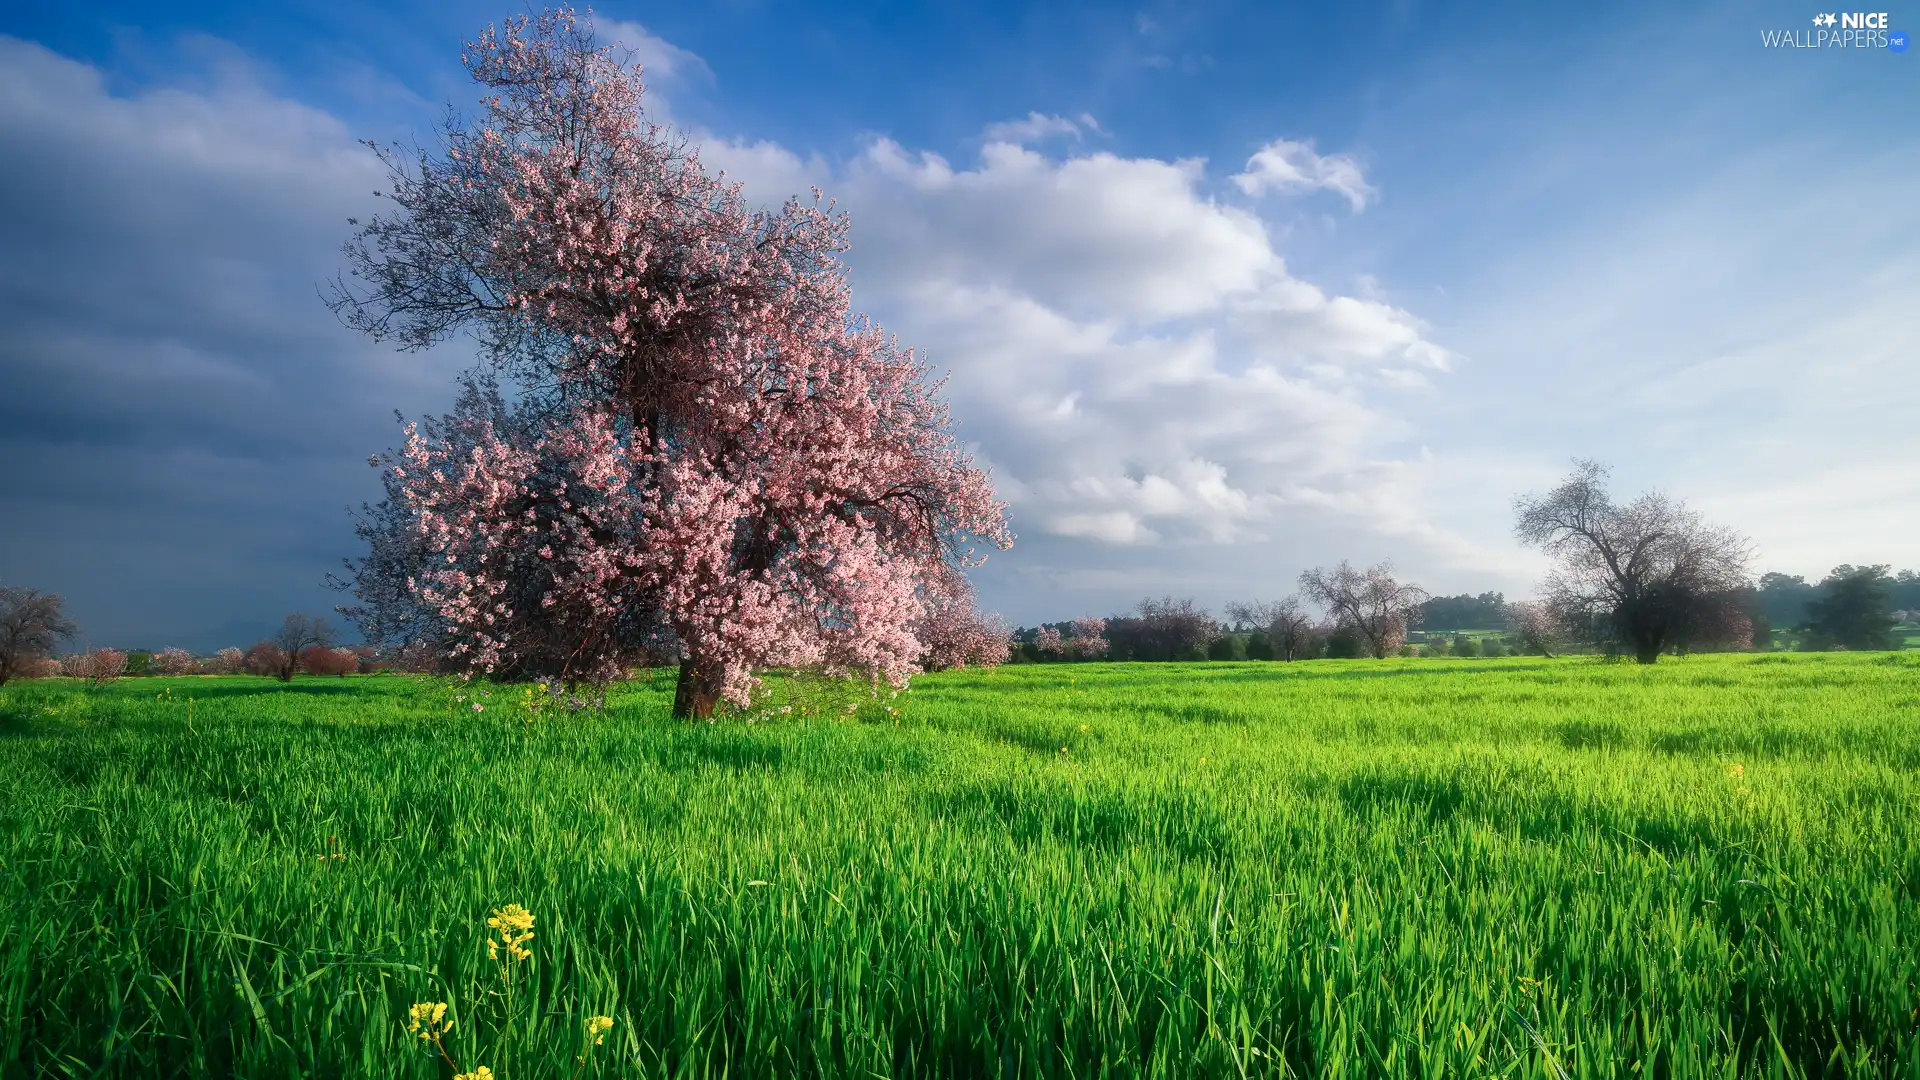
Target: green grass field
1512	867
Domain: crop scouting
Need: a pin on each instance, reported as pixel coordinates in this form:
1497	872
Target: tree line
1637	579
33	624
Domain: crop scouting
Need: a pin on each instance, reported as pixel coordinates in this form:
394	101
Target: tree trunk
697	691
1647	650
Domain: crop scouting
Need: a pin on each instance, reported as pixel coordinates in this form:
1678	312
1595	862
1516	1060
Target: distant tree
1464	612
139	662
1163	629
1227	647
39	667
1785	597
1759	623
98	667
322	660
1371	604
297	634
1049	643
1087	638
1286	624
1536	626
1906	591
31	624
266	658
1646	571
1259	646
1342	642
1854	611
174	661
1464	646
228	661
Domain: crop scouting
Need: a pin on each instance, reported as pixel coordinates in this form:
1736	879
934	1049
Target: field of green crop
1420	868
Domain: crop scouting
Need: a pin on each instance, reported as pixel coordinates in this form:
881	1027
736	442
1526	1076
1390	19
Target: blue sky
1227	290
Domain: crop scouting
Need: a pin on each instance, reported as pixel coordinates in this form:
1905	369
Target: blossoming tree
720	444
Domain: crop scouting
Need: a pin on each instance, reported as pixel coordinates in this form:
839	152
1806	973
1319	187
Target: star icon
1830	19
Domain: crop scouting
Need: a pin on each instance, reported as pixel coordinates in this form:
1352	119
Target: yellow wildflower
514	924
597	1028
428	1019
481	1073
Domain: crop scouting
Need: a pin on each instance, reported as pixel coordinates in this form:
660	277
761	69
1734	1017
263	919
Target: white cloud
1038	126
1134	357
1287	167
660	60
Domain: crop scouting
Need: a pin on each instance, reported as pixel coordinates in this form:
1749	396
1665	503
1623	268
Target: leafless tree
1286	623
31	624
1651	572
1371	604
297	634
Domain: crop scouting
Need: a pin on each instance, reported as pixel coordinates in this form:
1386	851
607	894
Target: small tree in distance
1370	604
31	624
97	667
228	661
298	634
173	661
1286	624
321	660
264	658
1651	572
1536	627
1854	611
1088	641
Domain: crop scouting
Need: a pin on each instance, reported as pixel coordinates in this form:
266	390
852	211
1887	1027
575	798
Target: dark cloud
182	419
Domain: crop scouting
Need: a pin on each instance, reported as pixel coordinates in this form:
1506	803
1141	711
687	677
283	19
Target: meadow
1407	868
